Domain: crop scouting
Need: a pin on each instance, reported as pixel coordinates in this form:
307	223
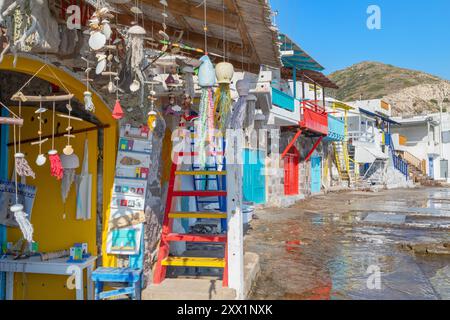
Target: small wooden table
55	266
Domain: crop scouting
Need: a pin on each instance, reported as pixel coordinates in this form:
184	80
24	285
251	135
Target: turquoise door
316	174
254	180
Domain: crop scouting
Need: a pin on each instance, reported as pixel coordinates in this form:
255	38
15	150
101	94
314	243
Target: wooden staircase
342	160
168	237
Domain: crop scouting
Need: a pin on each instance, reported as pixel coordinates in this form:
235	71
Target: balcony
283	109
336	129
313	118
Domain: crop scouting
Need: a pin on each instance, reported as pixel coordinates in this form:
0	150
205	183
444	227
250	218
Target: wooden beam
246	40
291	144
214	16
215	45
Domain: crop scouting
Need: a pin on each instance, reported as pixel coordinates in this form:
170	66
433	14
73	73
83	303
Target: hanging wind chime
18	209
224	74
55	161
152	115
41	159
206	80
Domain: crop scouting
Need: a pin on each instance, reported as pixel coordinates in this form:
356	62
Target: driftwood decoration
21	97
11	121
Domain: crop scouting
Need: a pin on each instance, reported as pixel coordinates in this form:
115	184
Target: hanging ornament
117	112
24	224
22	167
88	103
239	109
206	79
56	169
136	36
41	159
69	164
152	115
223	101
68	149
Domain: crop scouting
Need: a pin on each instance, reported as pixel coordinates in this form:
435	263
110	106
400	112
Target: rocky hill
410	92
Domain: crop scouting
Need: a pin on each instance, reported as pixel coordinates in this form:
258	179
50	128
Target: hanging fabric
84	192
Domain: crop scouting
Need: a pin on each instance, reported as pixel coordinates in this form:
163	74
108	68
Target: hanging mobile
18	209
41	159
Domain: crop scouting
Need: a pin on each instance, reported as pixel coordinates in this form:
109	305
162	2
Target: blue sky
415	34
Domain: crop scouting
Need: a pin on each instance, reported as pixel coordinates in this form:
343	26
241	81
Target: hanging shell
97	40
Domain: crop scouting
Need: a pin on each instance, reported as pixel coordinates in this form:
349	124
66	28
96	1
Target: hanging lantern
118	111
224	72
223	101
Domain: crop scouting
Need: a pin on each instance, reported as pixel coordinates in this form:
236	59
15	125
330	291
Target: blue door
431	167
316	174
254	180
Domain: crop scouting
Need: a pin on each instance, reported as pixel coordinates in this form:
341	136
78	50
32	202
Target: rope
20	128
40	129
53	126
9	110
15	171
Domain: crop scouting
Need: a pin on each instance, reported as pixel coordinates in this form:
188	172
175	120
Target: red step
196	237
199	193
195	154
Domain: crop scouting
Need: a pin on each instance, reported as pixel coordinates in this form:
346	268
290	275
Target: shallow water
324	248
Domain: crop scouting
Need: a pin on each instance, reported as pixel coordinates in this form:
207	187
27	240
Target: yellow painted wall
52	232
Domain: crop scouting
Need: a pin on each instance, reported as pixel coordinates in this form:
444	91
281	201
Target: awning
368	154
376	115
293	56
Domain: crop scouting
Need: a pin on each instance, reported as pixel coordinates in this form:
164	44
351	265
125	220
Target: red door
291	180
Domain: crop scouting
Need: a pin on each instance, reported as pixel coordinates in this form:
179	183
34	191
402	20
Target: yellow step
197	215
193	262
201	173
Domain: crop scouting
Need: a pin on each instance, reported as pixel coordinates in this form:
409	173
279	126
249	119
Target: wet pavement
355	246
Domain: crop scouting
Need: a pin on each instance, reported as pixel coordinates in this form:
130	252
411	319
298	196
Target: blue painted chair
130	277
